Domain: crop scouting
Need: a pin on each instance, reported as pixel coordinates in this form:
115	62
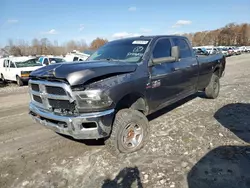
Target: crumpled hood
80	72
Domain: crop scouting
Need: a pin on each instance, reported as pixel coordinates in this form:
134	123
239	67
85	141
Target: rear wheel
19	81
130	132
213	89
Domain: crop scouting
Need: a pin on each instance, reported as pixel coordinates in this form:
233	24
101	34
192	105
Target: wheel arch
136	101
218	70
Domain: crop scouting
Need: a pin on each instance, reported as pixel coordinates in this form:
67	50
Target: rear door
187	66
165	83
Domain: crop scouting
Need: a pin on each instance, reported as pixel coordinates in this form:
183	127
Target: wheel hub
132	136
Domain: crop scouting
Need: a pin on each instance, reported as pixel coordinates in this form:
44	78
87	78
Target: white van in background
18	68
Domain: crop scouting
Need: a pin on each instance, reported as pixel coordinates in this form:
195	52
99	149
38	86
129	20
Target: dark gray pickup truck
110	95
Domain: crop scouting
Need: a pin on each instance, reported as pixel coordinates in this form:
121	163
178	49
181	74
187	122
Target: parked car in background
247	48
224	51
230	51
47	60
200	51
212	50
236	50
242	49
18	68
110	95
76	56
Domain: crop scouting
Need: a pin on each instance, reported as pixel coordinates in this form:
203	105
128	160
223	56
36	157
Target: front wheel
2	78
129	133
213	89
19	81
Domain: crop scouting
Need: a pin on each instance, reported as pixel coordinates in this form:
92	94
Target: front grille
63	104
51	95
55	90
37	99
35	87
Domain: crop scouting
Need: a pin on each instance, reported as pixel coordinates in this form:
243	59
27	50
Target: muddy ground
195	143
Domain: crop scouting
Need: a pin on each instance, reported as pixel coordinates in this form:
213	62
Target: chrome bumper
73	125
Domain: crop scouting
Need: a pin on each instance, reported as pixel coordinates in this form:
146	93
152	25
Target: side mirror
175	56
175	52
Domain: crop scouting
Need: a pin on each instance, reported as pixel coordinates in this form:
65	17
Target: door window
75	59
162	49
12	65
46	61
6	63
185	50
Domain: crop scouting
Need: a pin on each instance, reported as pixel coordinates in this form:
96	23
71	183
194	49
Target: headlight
92	99
25	73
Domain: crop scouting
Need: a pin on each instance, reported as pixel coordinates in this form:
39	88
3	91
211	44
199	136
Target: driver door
7	70
165	83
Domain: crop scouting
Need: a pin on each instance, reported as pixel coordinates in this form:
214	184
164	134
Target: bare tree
231	34
98	42
15	51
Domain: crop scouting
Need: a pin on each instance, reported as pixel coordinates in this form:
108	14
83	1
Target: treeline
230	35
45	47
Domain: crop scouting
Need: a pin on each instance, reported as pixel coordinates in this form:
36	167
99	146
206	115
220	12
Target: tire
3	79
125	122
19	81
213	89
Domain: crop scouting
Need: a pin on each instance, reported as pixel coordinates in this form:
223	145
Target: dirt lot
195	143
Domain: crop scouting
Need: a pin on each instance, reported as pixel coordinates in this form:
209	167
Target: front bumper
74	125
25	79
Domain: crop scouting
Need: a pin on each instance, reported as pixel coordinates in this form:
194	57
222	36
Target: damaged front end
63	99
56	106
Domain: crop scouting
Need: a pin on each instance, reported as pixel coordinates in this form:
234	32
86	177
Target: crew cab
17	69
47	60
111	93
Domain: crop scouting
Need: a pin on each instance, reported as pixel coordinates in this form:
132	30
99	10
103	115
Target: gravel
195	143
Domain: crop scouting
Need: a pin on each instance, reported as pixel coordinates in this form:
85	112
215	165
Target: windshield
28	63
129	50
57	60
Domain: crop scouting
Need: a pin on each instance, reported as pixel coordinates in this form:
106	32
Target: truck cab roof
150	37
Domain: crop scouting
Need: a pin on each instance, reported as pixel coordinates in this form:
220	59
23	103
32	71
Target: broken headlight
92	99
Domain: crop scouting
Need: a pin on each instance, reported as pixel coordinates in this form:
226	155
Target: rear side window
162	49
75	59
183	46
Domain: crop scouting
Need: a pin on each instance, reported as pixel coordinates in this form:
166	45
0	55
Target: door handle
194	64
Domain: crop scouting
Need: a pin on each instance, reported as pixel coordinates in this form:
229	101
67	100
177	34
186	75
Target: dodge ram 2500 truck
111	93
